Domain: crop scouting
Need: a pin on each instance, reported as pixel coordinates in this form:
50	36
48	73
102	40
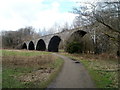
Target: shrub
74	47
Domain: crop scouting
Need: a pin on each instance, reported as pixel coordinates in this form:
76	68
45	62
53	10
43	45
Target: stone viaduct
51	42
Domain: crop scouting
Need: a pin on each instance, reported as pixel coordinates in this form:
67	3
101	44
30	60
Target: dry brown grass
103	56
29	61
40	72
39	75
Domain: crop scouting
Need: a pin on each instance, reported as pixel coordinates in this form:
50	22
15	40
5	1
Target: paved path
72	75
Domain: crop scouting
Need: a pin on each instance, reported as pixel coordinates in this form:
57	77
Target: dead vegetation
28	61
39	75
103	56
41	67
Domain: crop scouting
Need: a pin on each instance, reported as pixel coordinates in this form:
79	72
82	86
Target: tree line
10	39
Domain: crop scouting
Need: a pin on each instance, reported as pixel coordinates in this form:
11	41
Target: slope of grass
104	72
29	69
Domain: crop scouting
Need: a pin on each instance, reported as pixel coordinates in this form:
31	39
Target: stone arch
54	44
24	46
81	33
76	36
31	46
41	46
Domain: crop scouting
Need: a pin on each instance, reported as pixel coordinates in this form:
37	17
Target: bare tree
106	14
10	39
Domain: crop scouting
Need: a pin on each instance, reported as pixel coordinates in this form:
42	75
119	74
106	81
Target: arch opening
54	44
24	46
76	36
41	45
31	46
79	33
74	43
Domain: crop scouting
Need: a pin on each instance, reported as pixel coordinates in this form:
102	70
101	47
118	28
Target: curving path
72	75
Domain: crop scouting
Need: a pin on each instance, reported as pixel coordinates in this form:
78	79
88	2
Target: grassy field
103	69
28	69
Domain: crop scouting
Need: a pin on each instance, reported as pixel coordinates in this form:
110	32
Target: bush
74	47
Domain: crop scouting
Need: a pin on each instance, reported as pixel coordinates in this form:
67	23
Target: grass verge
58	65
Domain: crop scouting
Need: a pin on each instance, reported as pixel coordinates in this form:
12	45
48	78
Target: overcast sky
15	14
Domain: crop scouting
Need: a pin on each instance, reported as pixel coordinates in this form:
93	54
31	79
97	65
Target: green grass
8	80
10	74
103	72
102	77
61	50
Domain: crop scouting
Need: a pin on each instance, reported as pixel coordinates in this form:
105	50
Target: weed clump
74	47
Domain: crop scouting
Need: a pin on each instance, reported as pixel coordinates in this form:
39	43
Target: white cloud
55	4
15	14
51	17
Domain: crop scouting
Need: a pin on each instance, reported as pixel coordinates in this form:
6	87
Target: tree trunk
118	54
119	45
